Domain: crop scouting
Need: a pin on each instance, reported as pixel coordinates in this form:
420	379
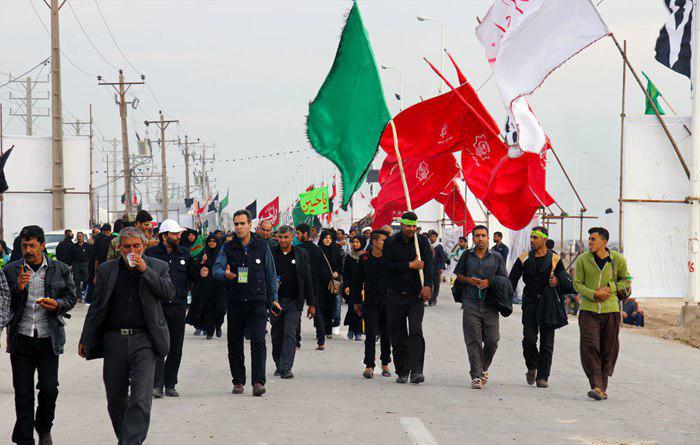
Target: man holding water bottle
475	271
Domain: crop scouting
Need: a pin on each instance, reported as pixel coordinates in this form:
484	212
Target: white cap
170	225
366	229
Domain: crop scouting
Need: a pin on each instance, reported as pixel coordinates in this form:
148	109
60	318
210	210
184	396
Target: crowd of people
143	285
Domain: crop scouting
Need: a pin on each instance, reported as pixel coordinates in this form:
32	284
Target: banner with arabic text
315	202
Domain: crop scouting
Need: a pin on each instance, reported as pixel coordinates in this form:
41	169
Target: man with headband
539	268
406	293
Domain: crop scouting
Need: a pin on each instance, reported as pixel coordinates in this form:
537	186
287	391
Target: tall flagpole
694	243
408	197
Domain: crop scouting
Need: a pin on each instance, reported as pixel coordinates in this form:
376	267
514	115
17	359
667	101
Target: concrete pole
114	175
125	146
92	202
694	244
164	169
28	103
58	189
187	168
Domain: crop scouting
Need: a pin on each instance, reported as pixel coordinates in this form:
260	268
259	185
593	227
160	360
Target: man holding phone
295	287
42	292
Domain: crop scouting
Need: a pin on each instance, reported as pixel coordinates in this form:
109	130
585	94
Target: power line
42	63
62	53
114	39
88	37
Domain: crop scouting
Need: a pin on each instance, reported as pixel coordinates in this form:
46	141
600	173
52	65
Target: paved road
654	396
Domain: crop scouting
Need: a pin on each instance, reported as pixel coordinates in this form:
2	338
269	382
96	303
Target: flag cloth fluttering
315	202
654	93
456	208
213	207
271	212
674	46
198	246
253	209
299	217
349	113
224	202
3	160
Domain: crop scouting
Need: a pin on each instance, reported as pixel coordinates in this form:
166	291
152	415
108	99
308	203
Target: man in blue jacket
247	267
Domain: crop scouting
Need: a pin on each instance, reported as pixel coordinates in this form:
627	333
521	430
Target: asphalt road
654	395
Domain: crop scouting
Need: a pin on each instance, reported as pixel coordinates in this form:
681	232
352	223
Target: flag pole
653	106
406	194
694	247
622	144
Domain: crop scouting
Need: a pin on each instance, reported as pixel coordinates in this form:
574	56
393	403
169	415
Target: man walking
475	270
248	268
41	292
601	277
406	293
144	222
183	271
440	262
317	263
295	287
371	277
64	249
126	326
500	247
539	269
81	262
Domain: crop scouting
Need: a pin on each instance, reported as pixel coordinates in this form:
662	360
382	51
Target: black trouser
283	334
375	316
437	278
167	369
407	342
540	360
33	355
318	325
327	303
128	372
214	312
253	316
80	278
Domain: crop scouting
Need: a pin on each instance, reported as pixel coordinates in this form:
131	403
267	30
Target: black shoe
432	303
287	375
417	377
402	379
277	373
45	439
157	393
258	389
171	392
218	332
209	336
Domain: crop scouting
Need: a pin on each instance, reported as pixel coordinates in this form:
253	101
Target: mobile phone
21	268
275	311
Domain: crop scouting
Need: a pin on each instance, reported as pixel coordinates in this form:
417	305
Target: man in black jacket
370	277
535	267
64	249
81	260
41	294
247	267
476	270
406	293
126	326
183	271
440	262
295	287
317	264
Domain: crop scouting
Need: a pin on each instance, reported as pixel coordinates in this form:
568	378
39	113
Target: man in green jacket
601	274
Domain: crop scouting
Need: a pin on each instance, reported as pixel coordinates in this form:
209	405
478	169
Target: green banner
315	202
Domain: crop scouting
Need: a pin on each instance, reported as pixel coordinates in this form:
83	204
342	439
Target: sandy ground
661	319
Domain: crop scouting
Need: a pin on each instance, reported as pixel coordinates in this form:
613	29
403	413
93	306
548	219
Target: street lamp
422	18
387	67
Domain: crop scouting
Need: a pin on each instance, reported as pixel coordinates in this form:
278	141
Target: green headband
408	222
539	234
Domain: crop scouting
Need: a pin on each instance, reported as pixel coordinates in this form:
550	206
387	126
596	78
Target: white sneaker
477	384
336	330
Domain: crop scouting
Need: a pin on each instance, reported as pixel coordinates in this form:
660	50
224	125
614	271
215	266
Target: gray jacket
59	285
154	286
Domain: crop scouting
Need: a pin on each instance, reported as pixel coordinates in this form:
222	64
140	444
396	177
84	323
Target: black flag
189	202
3	159
253	208
674	45
214	206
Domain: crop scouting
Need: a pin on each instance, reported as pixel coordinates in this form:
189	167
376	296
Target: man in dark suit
125	325
41	294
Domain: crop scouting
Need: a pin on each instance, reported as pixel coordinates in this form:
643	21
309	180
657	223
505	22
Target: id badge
243	275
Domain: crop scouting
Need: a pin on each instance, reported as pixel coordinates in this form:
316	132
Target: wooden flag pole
408	197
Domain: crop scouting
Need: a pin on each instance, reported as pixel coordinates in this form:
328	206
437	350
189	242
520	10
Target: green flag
348	115
299	217
224	202
315	201
654	93
198	246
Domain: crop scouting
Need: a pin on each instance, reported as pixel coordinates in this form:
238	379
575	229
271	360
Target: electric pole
122	89
204	179
77	125
114	176
163	124
187	164
92	201
29	101
58	190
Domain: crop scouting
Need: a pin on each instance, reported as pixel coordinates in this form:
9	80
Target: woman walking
209	302
331	270
352	320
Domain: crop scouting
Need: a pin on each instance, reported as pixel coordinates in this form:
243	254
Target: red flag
438	125
271	212
456	208
309	188
478	162
426	178
516	190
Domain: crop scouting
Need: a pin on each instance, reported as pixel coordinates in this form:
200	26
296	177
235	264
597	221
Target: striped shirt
34	317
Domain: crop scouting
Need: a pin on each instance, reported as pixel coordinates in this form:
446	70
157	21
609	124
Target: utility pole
122	89
29	101
57	190
92	202
77	125
163	124
204	180
114	142
187	164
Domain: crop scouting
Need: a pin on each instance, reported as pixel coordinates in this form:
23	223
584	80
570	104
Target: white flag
525	41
